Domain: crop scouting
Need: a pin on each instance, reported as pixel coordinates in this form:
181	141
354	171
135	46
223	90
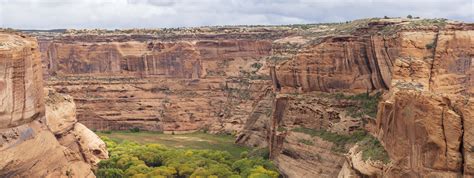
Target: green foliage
371	148
196	140
340	141
248	166
367	104
430	45
260	152
281	129
110	173
244	154
130	159
409	16
135	129
427	22
106	132
306	142
257	65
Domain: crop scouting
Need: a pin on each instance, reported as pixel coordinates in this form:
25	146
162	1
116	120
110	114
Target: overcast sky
112	14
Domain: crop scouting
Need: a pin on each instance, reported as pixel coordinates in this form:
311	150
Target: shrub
135	129
257	65
372	149
367	104
306	142
339	141
260	152
244	154
281	129
106	132
110	173
430	45
261	172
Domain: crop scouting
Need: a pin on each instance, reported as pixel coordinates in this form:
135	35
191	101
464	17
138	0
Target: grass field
197	140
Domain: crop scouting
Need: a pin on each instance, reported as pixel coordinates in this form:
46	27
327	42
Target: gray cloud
47	14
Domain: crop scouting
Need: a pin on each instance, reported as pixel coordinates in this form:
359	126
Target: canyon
326	100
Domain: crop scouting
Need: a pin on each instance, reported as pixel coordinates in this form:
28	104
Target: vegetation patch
134	130
372	149
281	129
339	141
306	142
257	65
197	140
131	159
366	104
369	145
260	152
430	45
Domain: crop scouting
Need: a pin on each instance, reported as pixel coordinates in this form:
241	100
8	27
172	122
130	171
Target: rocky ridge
39	137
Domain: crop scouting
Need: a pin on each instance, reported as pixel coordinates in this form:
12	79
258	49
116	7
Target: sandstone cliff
180	85
31	142
305	92
423	67
425	119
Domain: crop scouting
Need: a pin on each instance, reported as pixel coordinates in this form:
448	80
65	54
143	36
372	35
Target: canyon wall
305	92
174	85
32	141
423	119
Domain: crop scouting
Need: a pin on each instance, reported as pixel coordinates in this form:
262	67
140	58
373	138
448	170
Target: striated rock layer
157	85
424	118
265	82
30	142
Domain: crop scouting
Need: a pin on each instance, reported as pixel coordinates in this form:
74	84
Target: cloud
48	14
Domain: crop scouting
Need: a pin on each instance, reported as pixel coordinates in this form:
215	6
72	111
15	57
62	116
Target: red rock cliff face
424	119
21	86
156	85
182	59
30	145
345	63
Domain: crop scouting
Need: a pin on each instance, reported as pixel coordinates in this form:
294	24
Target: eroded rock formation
266	82
30	142
179	85
423	120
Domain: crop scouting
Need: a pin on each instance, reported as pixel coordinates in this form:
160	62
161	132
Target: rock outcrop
267	82
424	119
61	119
28	146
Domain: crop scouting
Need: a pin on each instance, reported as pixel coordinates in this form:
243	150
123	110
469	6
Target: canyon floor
197	140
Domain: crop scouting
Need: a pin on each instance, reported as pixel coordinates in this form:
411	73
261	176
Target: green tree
110	173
